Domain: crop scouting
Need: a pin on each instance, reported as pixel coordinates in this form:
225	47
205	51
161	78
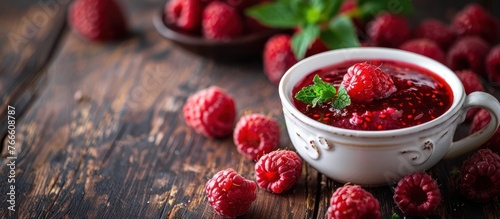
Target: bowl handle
487	102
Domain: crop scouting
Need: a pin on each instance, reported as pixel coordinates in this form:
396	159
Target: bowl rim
362	53
173	35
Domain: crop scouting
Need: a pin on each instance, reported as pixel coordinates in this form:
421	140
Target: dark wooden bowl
246	46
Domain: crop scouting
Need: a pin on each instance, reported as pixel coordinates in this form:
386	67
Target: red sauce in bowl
421	96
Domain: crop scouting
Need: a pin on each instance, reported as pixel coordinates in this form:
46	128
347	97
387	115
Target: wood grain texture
105	137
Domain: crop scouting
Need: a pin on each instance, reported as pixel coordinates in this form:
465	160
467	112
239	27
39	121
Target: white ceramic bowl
371	158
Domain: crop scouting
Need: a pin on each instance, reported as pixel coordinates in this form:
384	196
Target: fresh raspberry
385	119
230	194
388	30
468	53
278	57
221	21
471	83
480	120
493	65
480	176
278	171
353	202
365	82
473	20
184	14
256	135
436	31
424	47
98	20
211	112
417	194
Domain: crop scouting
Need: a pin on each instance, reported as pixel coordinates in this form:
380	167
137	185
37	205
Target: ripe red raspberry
210	112
480	120
352	202
98	20
365	82
184	14
471	83
424	47
256	135
417	194
436	31
221	21
493	65
468	53
278	171
473	20
388	30
230	194
480	176
278	57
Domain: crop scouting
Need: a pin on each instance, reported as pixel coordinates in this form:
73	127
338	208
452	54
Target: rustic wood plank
30	30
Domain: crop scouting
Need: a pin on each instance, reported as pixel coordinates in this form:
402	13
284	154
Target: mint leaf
322	92
369	9
331	8
340	33
395	216
277	14
317	93
302	40
342	99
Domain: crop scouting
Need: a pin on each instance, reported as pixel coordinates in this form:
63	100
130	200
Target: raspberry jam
421	96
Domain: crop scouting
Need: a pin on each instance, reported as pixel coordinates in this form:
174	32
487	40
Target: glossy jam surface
421	96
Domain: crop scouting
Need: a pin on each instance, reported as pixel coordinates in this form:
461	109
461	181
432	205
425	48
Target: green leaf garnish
321	92
340	34
321	18
276	14
395	216
302	40
368	9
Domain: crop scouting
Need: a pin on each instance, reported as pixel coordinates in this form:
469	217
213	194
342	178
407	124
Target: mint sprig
321	19
321	92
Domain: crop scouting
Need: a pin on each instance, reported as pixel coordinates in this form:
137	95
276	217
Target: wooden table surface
99	133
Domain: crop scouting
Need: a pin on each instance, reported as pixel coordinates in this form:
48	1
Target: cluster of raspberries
213	19
211	112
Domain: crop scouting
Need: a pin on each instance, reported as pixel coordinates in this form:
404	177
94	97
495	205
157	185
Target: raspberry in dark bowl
420	96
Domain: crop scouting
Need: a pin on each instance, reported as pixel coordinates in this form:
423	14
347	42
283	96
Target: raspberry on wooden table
388	30
278	57
417	194
473	20
365	82
468	53
221	21
353	202
480	120
210	112
480	176
424	47
230	194
256	135
493	65
436	31
185	14
98	20
278	170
